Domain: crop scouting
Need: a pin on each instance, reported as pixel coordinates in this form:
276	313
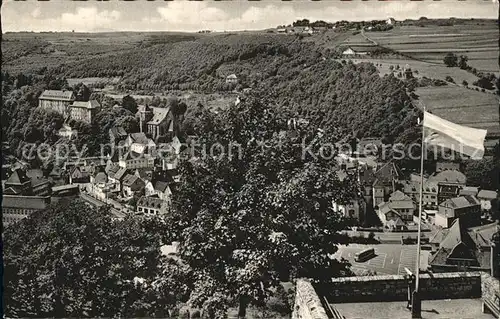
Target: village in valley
111	142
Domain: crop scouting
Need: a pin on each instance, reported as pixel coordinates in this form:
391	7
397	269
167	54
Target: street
390	259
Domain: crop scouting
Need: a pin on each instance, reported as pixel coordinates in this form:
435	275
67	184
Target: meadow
463	106
479	41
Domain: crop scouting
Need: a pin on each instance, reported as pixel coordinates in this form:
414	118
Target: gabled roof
486	194
461	202
120	173
92	104
386	174
439	236
144	173
18	177
57	95
101	177
399	196
140	138
449	176
161	186
469	190
150	202
130	180
232	76
118	131
159	115
481	235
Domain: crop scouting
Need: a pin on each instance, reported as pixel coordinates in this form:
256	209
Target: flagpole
416	304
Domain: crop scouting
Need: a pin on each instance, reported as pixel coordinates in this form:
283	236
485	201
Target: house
449	184
399	209
79	175
281	31
355	209
390	21
348	51
151	206
67	131
132	185
139	143
18	183
161	124
144	173
132	160
463	249
385	182
467	208
15	207
468	190
447	166
232	79
149	188
56	100
115	178
164	189
488	199
429	192
40	186
83	111
389	217
117	134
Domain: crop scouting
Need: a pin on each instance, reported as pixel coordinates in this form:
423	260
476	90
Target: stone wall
489	287
307	303
395	287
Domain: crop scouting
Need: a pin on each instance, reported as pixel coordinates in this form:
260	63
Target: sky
114	15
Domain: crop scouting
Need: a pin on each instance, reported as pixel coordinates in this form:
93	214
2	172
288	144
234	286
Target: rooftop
57	95
461	202
449	176
92	104
486	194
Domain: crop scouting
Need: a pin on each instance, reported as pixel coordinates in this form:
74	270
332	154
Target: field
429	70
463	106
478	41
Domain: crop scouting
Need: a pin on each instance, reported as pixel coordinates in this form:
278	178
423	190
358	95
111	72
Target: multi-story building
449	184
16	207
56	100
83	111
151	206
398	210
132	160
467	208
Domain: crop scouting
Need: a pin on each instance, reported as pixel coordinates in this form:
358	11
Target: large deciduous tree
75	261
260	213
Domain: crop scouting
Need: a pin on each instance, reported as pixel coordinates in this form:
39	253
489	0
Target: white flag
463	139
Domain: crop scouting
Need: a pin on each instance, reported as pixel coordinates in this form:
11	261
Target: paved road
116	213
389	236
390	259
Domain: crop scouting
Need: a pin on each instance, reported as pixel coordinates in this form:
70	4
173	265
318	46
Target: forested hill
304	78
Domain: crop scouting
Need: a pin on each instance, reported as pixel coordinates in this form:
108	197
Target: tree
450	60
129	103
103	258
483	173
449	79
465	83
463	62
247	221
82	92
484	83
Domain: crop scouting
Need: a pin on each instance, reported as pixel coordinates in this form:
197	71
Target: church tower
145	115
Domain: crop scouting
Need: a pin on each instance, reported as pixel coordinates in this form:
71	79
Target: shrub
465	83
449	79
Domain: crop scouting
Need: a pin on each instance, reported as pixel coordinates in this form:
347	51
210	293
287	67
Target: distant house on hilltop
358	50
390	21
232	79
